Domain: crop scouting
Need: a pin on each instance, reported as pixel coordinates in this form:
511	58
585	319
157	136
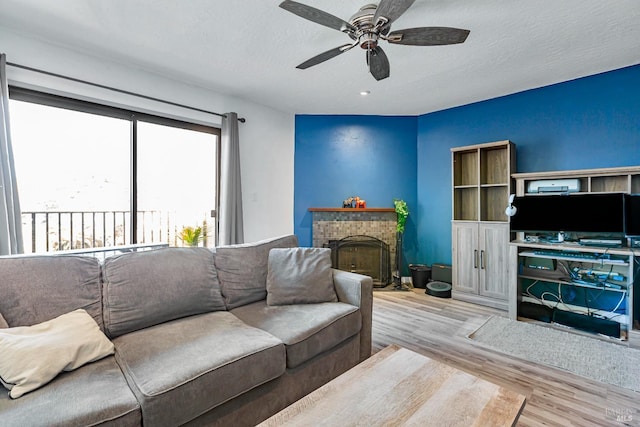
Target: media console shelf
576	281
613	269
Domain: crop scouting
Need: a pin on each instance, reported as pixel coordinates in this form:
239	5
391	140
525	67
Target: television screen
632	215
587	213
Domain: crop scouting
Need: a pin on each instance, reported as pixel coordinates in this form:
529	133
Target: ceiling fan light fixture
365	92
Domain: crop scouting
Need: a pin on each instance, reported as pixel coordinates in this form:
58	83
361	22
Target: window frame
58	101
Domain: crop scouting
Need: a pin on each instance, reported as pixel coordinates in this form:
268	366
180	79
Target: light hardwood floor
437	328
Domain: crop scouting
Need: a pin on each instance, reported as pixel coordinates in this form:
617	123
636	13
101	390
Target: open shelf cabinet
480	229
589	284
605	180
482	181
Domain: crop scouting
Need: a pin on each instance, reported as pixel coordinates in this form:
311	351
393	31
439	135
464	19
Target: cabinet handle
475	258
482	259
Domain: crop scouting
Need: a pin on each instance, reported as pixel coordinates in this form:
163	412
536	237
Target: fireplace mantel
352	210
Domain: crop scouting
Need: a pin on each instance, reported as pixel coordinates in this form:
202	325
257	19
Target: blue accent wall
337	157
592	122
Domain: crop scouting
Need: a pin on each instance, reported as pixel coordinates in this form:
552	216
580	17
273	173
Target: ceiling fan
368	26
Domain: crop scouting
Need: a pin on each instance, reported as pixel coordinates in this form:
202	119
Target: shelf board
574	247
351	210
576	259
565	282
579	173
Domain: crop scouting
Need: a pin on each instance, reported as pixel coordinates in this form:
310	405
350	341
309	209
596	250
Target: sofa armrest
356	289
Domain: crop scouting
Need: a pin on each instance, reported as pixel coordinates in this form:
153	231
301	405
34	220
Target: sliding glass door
83	169
177	179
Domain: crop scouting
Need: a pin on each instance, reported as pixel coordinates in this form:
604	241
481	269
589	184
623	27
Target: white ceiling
249	48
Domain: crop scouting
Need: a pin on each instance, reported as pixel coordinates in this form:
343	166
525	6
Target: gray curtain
230	219
10	219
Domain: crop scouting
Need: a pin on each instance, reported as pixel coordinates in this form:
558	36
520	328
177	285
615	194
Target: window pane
177	184
72	172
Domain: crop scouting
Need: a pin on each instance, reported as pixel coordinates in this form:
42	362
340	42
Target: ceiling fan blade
391	10
378	63
318	16
428	36
324	56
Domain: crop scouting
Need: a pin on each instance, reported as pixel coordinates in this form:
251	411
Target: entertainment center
574	259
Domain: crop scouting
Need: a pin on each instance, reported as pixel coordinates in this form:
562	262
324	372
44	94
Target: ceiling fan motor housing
363	21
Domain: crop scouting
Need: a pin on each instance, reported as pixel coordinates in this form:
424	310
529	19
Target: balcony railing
48	231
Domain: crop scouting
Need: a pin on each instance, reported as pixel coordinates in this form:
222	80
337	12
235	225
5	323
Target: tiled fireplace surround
336	224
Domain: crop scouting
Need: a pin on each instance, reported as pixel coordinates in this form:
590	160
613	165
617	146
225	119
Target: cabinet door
494	260
465	257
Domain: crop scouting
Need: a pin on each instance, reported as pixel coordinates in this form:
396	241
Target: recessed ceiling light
365	92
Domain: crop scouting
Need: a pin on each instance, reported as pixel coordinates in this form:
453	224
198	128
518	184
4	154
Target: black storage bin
420	275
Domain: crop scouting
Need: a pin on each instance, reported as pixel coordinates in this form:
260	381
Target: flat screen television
576	213
632	215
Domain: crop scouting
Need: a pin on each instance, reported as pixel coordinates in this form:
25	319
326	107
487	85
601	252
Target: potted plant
191	236
402	211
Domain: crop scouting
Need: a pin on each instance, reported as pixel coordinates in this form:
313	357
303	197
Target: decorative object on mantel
402	212
348	203
354	202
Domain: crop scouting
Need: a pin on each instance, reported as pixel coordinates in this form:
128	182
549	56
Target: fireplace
363	255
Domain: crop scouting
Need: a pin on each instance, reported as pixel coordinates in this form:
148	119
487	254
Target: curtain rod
126	92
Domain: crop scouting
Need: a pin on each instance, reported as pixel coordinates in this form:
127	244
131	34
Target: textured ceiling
249	48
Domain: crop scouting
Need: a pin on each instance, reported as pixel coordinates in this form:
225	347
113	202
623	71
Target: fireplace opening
363	255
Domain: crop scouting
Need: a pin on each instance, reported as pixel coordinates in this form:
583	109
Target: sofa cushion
147	288
96	394
300	276
195	364
33	355
34	289
243	269
306	329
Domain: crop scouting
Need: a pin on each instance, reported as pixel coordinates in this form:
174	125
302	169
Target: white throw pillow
3	323
300	276
31	356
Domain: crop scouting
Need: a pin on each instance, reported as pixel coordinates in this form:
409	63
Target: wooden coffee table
398	387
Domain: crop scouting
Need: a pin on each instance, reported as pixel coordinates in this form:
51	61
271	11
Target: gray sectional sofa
200	337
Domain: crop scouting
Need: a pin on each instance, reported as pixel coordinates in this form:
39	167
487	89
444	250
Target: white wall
267	137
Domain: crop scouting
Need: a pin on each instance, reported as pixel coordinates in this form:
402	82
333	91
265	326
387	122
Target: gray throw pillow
300	276
242	269
143	289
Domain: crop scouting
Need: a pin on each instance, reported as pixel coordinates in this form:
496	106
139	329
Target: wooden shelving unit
605	180
480	229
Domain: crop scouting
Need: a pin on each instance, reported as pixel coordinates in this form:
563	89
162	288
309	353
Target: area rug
592	358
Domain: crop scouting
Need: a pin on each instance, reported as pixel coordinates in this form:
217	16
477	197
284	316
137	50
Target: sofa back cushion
243	269
34	289
147	288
